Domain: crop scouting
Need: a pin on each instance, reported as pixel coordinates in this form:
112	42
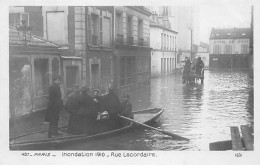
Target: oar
174	136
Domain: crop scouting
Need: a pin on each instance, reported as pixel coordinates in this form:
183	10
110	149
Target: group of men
90	112
191	67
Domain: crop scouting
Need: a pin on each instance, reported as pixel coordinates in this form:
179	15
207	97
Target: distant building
229	48
163	41
203	52
184	20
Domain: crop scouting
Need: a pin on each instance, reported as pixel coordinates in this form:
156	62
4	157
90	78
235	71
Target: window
162	66
170	45
164	47
15	19
101	30
127	68
119	23
161	40
228	49
41	68
55	25
244	49
143	69
94	29
119	29
107	32
130	39
217	49
140	32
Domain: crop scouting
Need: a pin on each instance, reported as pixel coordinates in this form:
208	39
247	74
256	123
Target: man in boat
97	109
86	114
112	105
126	107
71	106
54	106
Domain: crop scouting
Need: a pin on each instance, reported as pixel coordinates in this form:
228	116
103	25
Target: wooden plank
220	145
248	138
236	140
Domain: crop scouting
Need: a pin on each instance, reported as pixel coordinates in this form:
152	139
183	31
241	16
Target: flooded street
202	113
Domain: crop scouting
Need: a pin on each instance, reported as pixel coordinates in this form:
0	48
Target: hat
95	90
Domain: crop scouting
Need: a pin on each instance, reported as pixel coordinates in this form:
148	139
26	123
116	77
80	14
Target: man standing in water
54	106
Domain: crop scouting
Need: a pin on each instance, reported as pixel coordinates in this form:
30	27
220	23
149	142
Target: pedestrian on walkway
54	106
71	106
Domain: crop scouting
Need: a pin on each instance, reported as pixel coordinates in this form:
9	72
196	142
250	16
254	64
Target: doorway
71	78
95	75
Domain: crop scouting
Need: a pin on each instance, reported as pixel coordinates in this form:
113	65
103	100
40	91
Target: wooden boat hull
40	141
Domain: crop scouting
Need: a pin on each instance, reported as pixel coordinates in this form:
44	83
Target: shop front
31	68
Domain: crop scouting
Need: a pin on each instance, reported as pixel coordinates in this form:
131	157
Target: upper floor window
217	49
164	42
129	33
106	39
15	19
55	26
99	27
244	49
140	32
119	28
161	40
94	29
228	49
119	23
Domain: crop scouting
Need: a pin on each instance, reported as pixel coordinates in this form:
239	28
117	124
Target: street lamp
191	44
24	28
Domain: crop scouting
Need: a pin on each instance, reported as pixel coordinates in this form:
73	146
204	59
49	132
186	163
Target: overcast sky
220	14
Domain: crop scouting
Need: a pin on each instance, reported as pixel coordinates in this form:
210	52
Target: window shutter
101	26
89	29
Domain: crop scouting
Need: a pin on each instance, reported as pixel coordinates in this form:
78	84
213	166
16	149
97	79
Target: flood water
202	113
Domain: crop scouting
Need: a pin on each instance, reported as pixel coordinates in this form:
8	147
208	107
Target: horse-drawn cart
192	77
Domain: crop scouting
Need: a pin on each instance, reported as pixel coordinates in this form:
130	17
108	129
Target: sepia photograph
138	80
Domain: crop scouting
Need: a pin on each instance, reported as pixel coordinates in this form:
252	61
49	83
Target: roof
203	45
35	41
231	33
159	21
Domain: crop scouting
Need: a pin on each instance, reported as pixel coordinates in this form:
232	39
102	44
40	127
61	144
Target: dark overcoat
54	104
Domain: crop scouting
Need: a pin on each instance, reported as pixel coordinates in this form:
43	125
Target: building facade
98	46
132	52
164	52
229	48
31	68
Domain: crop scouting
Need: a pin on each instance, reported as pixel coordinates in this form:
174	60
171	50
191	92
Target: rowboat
39	140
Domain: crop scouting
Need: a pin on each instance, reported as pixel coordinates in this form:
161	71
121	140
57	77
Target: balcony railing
130	40
120	39
94	40
141	42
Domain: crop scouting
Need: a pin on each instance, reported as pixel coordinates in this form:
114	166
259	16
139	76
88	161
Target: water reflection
202	113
